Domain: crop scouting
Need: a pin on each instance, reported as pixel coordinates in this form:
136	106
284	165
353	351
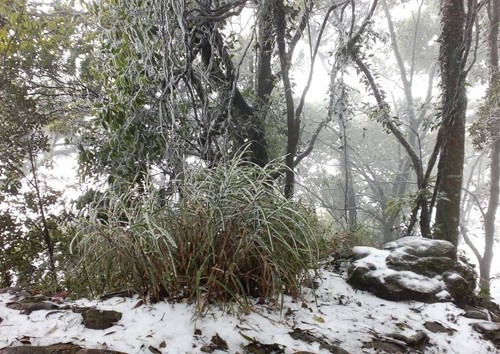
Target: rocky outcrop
413	268
425	270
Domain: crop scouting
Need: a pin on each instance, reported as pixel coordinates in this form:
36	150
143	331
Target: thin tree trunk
489	219
350	208
291	122
489	222
41	209
414	122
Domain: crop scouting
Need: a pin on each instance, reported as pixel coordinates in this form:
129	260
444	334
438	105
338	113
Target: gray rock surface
489	330
413	268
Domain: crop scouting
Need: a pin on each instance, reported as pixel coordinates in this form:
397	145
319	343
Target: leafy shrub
229	234
24	259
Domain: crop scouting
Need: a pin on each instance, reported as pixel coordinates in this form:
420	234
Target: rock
79	309
55	349
123	293
27	308
391	287
259	348
333	349
207	349
436	327
476	314
489	330
494	317
385	346
360	278
98	351
100	319
219	343
308	337
418	340
359	252
423	247
413	268
428	266
458	287
51	349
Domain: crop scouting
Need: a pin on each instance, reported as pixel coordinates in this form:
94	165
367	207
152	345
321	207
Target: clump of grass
229	235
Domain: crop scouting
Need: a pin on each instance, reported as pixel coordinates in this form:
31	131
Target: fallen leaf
154	350
139	304
52	330
219	342
319	319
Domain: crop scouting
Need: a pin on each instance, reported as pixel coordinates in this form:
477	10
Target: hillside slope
338	317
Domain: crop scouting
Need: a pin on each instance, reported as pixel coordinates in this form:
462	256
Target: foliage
167	82
38	68
230	234
160	96
23	256
342	242
421	46
486	129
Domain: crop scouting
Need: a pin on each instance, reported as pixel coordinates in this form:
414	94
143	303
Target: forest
224	148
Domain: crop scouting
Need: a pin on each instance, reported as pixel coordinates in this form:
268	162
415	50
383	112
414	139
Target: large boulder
413	268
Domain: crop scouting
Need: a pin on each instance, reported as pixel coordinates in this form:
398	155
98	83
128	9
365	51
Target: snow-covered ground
337	314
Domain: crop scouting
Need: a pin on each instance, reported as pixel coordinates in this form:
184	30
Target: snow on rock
489	330
412	268
422	247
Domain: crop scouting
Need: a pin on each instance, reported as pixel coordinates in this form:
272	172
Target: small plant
229	234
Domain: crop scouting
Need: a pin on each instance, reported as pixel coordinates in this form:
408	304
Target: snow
419	282
413	241
444	294
346	317
371	256
376	259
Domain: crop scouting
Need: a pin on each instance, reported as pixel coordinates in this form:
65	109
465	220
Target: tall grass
231	234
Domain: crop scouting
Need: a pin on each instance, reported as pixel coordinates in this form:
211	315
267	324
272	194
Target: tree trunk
350	207
291	121
489	222
41	210
264	85
489	218
452	56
